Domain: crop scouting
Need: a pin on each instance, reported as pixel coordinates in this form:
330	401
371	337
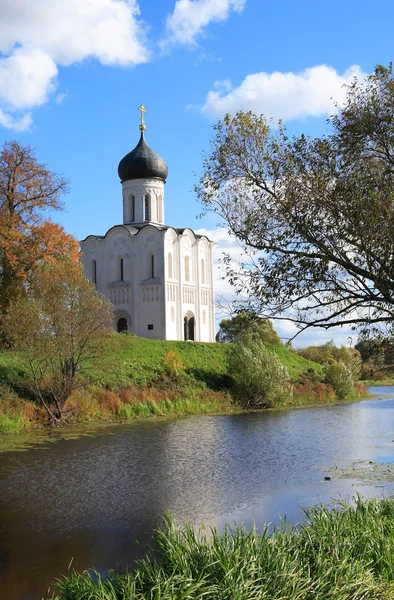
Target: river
92	498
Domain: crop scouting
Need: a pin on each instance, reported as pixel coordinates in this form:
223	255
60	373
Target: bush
340	377
260	378
328	353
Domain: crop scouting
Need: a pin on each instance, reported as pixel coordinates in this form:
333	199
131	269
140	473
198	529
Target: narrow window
121	270
202	271
204	317
170	265
132	208
187	269
152	266
94	271
146	207
172	313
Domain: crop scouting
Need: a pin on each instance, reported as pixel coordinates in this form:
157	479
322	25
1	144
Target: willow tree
315	215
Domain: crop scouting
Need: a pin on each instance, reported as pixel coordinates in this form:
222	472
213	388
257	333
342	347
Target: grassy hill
139	377
140	361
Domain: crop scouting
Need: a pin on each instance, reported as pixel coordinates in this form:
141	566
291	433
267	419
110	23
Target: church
159	278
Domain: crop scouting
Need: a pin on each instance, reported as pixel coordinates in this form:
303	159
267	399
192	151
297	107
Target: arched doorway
122	325
189	325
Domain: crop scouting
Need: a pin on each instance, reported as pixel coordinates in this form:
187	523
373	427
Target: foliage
343	554
329	353
59	329
260	378
339	375
27	190
315	215
377	353
231	329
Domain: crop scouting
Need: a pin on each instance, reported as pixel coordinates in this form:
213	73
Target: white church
159	278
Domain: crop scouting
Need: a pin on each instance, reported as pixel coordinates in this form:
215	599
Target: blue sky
72	75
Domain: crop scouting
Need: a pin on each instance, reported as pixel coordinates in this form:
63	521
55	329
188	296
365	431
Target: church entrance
188	327
122	325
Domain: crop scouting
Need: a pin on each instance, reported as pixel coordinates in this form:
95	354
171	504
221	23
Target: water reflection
91	498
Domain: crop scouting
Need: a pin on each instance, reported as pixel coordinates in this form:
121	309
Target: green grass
140	361
138	366
12	424
295	364
388	381
342	554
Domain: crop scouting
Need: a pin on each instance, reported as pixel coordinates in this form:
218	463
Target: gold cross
143	110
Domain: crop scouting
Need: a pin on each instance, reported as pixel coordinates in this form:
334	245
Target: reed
345	553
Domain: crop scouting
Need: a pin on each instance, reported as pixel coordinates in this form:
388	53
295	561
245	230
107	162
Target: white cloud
309	93
26	78
37	36
191	17
16	123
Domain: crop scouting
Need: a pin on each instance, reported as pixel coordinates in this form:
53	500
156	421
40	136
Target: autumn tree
59	329
28	190
315	215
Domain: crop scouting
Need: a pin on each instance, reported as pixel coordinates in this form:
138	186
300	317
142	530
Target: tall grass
14	424
342	554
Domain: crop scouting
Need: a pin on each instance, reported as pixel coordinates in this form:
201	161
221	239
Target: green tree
329	353
260	378
59	329
246	322
339	375
316	214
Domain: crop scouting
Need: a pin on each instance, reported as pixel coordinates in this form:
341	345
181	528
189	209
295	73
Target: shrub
328	353
340	377
260	378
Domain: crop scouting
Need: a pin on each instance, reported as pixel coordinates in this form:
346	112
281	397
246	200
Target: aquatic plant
345	553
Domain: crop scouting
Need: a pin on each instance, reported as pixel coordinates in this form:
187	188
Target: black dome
142	162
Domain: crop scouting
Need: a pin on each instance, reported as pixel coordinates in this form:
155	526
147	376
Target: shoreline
40	433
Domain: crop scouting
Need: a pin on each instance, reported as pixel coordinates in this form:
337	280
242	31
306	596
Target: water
91	498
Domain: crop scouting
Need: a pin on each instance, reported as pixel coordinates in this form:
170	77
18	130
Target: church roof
142	163
135	228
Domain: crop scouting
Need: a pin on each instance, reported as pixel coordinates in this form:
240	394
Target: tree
59	329
339	375
329	353
316	215
246	322
27	190
261	380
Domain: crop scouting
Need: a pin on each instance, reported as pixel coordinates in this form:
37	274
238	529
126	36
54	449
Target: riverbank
141	378
344	553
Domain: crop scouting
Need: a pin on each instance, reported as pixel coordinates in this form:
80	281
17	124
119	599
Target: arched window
94	271
172	313
121	278
146	208
187	268
152	266
170	265
132	208
202	270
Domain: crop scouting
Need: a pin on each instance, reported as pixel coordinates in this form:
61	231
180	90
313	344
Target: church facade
159	278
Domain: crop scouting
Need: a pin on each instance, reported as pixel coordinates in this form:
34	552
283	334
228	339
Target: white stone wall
154	304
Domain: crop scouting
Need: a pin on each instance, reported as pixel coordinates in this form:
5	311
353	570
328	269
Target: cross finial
143	110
